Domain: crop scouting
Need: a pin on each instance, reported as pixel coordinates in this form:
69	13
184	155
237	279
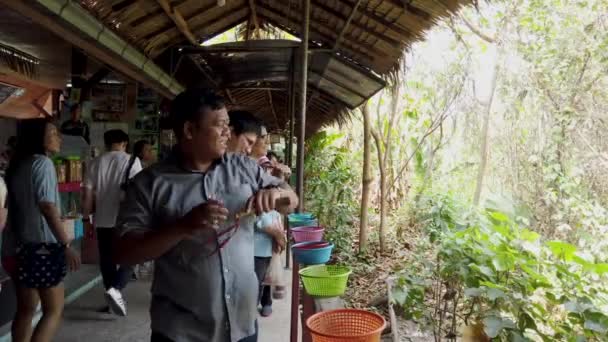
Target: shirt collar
175	158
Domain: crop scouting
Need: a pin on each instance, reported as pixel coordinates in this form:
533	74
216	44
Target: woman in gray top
41	245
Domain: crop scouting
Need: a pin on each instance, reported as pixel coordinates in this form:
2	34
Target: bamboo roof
370	34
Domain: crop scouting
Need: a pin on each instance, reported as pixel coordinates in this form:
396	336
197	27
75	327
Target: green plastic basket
325	280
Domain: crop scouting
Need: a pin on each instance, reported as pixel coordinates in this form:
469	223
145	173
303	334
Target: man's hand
208	215
281	171
278	235
72	259
279	244
267	200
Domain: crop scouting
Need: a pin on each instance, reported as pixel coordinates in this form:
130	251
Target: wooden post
289	141
300	168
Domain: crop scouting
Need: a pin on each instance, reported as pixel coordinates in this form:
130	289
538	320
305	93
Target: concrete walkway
83	324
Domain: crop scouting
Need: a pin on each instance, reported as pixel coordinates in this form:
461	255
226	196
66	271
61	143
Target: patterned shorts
41	265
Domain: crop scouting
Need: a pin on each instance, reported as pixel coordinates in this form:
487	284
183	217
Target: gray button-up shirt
200	292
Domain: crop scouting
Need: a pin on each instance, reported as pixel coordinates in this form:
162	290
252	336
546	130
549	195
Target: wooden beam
333	13
274	113
382	21
122	5
254	18
363	47
295	290
219	18
178	20
406	5
229	95
154	15
348	21
187	18
156	50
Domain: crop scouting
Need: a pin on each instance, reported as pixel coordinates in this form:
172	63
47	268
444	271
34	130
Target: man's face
209	136
242	143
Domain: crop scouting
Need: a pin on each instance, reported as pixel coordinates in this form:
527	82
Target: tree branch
477	31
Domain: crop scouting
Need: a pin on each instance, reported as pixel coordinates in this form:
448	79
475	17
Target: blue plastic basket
302	220
313	256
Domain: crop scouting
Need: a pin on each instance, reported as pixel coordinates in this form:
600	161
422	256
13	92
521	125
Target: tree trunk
485	135
367	180
382	168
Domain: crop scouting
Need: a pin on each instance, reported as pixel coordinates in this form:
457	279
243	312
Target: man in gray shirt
189	213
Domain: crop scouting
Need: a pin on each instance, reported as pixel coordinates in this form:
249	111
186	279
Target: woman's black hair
30	141
138	148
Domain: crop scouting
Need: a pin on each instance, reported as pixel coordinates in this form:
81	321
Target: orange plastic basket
346	325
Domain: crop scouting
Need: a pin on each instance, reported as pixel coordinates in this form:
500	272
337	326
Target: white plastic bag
275	275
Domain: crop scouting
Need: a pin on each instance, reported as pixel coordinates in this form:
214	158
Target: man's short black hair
115	136
189	104
242	121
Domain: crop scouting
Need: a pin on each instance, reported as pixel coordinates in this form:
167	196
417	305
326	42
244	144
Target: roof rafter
381	20
354	44
187	18
159	48
336	14
347	23
354	53
220	18
407	6
154	15
274	113
254	18
178	20
365	46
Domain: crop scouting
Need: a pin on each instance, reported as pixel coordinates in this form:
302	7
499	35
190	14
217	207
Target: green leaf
576	306
494	294
596	321
562	249
473	292
498	216
399	296
503	262
529	235
493	325
601	268
492	285
485	270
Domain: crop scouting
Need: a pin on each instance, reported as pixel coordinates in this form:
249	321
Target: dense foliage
495	132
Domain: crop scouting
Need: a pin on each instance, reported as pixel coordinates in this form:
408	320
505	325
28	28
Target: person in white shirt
104	184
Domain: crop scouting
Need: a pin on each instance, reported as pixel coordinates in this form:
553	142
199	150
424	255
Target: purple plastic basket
305	234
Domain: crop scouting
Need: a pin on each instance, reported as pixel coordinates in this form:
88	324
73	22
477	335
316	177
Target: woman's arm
53	218
44	180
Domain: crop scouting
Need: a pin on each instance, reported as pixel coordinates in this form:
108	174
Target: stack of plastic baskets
306	234
301	220
312	252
